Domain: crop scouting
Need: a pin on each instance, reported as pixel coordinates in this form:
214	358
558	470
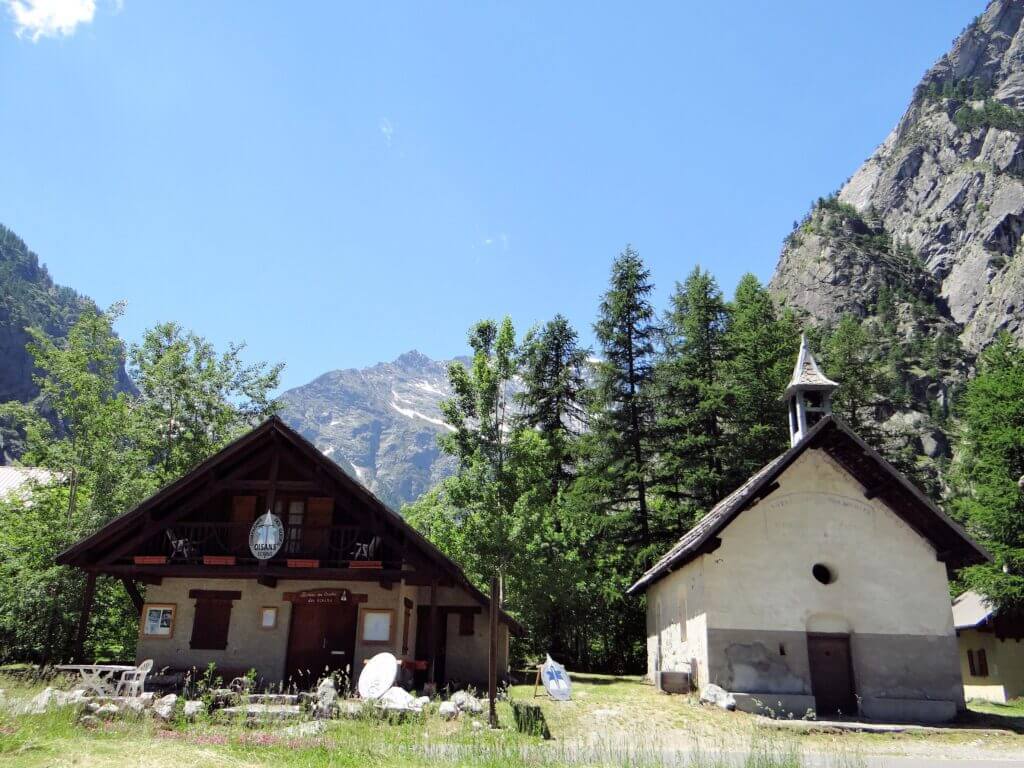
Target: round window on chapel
823	573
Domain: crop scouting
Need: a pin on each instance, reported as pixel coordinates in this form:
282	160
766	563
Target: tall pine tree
761	344
623	416
691	404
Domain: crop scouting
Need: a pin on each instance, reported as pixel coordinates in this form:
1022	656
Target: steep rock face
28	298
948	186
380	423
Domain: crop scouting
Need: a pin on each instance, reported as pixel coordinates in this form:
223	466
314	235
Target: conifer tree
622	417
553	399
989	494
761	344
691	404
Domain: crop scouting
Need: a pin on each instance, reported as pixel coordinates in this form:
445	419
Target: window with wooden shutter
971	665
243	513
982	659
406	621
210	625
465	623
319	516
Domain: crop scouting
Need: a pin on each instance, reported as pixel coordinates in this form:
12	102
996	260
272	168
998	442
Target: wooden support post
83	617
133	593
432	636
492	656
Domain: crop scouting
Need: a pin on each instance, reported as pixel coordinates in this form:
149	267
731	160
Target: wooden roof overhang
953	546
422	563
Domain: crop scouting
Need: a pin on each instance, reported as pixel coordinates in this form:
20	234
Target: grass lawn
611	721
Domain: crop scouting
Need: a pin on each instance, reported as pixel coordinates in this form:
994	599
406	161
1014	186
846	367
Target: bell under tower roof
806	373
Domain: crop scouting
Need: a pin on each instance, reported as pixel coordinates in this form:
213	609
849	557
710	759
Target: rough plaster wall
752	601
1005	666
266	650
681	598
887	577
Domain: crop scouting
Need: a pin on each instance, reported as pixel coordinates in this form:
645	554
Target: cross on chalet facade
347	578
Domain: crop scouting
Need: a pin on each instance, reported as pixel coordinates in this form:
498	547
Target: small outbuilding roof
880	480
970	610
806	373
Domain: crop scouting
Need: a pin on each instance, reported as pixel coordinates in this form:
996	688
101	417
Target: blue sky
336	183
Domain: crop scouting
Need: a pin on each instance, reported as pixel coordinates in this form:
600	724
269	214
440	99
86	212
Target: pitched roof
879	478
84	552
970	610
806	373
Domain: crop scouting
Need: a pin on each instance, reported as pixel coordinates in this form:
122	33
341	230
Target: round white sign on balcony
378	676
556	680
266	537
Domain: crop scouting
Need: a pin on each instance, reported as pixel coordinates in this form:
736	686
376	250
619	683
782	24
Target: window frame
146	607
364	613
467	623
263	610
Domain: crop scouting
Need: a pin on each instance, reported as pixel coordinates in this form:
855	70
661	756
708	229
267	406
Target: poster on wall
158	621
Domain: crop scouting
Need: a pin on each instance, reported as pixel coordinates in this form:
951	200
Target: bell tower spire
809	393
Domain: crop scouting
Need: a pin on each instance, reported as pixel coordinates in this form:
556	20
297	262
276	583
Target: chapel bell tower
809	394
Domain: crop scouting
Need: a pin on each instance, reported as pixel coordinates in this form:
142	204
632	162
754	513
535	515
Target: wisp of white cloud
49	18
387	129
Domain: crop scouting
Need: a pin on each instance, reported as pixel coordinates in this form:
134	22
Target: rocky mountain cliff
946	187
28	297
380	423
928	230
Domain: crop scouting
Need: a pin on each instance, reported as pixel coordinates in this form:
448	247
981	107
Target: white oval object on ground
378	676
556	680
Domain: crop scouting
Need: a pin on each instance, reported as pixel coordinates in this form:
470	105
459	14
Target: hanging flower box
150	560
299	563
218	559
367	564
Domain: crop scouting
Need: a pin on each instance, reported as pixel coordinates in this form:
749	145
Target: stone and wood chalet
349	578
822	583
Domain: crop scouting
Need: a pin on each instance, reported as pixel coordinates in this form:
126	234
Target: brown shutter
465	623
319	515
243	512
982	663
970	664
210	626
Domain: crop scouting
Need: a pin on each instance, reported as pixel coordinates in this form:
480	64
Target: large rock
447	710
467	702
326	699
718	696
163	708
192	709
53	697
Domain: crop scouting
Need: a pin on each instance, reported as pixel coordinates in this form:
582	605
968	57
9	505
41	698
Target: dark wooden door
423	648
322	639
831	674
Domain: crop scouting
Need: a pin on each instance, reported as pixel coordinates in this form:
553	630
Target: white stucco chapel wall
749	604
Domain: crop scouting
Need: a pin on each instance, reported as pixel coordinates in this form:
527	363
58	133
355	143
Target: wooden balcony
226	544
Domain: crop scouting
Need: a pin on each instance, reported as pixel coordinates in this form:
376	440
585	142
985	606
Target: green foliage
691	398
990	461
114	447
992	114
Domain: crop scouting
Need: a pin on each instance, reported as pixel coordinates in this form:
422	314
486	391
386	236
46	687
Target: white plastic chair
131	683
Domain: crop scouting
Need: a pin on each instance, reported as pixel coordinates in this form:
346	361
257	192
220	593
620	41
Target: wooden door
831	674
321	639
422	644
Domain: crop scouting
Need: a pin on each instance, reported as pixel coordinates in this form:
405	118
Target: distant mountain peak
413	359
379	423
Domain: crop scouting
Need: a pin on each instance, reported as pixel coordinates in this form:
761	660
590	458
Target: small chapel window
823	573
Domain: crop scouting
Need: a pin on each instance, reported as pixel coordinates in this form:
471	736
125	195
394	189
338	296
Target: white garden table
98	678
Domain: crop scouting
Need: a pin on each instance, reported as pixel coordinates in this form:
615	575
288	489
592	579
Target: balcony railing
330	545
